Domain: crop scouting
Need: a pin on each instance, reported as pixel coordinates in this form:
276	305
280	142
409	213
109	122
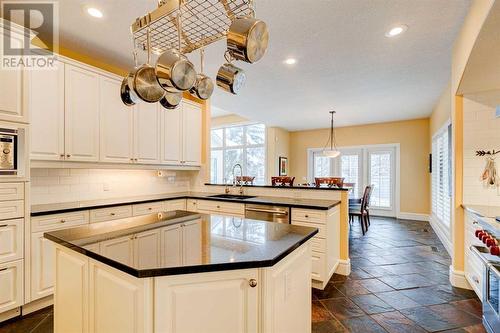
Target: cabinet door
171	242
116	124
191	243
42	266
46	104
171	136
11	285
147	133
183	302
11	240
191	133
11	93
147	249
81	114
119	249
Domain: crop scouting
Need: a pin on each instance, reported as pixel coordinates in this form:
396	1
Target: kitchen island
183	272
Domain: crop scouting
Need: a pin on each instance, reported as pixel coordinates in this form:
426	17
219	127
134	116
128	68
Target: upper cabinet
78	116
81	114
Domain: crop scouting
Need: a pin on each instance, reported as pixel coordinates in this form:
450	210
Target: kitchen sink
232	196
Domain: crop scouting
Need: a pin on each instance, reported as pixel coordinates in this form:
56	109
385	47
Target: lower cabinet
147	249
171	205
119	249
42	266
11	285
11	240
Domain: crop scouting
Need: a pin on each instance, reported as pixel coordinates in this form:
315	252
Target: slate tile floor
399	283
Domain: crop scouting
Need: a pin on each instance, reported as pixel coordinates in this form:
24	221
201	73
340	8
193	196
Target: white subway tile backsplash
63	185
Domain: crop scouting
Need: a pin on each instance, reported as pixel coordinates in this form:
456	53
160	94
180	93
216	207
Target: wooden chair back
330	181
365	200
246	180
282	181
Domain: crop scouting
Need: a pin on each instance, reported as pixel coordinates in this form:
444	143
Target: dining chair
361	210
246	180
330	181
282	181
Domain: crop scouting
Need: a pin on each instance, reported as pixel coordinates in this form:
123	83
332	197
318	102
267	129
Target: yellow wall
413	137
441	112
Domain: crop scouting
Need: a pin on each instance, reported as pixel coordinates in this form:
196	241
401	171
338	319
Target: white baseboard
344	267
457	279
442	234
413	216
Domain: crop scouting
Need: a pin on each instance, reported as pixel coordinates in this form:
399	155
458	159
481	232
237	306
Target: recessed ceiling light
397	30
94	12
290	61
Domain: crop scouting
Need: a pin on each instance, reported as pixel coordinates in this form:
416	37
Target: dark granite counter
216	243
65	207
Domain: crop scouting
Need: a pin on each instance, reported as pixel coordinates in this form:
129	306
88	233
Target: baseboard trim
413	216
38	305
10	314
440	232
344	267
457	279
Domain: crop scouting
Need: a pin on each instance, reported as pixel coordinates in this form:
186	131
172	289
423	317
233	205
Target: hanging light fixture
332	151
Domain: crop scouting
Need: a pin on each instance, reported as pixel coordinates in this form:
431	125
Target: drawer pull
63	221
150	208
475	279
3	225
252	283
218	206
112	214
306	216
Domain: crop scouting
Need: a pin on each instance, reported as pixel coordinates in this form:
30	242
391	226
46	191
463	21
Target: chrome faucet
234	177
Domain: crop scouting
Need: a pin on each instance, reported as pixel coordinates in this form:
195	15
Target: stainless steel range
490	257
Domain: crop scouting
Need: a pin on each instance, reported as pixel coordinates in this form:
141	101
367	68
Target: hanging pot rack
203	22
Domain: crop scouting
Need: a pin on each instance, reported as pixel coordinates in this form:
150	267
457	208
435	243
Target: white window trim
393	212
444	228
243	147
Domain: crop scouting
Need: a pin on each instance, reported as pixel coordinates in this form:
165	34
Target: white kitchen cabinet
81	114
119	249
171	142
147	249
11	285
191	133
191	243
181	135
171	245
111	213
116	124
147	208
42	266
46	105
171	205
11	240
182	302
147	133
11	94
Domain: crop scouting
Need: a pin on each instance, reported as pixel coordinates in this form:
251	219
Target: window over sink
243	144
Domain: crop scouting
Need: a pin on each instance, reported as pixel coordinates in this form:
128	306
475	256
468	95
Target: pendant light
331	152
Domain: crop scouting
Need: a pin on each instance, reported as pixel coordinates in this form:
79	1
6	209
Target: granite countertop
225	243
65	207
486	214
299	187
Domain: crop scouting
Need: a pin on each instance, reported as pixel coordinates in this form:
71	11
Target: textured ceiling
344	60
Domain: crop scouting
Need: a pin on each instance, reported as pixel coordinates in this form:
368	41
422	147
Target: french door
361	166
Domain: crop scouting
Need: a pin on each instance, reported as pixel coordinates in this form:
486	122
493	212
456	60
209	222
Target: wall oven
8	151
490	258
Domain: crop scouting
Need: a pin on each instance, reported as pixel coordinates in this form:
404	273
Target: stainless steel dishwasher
269	213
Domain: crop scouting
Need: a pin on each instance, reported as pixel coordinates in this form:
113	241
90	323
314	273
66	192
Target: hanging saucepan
171	100
174	71
129	97
247	39
204	86
143	80
231	78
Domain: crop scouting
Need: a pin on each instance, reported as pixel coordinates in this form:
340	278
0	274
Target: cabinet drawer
221	207
112	213
11	240
11	209
171	205
59	221
321	227
318	271
11	285
11	191
318	244
147	208
191	205
309	215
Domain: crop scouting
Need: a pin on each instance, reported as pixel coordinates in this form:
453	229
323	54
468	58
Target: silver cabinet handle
252	283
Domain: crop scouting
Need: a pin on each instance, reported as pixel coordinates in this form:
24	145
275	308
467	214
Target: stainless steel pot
203	88
171	100
144	84
231	78
174	71
128	96
247	39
